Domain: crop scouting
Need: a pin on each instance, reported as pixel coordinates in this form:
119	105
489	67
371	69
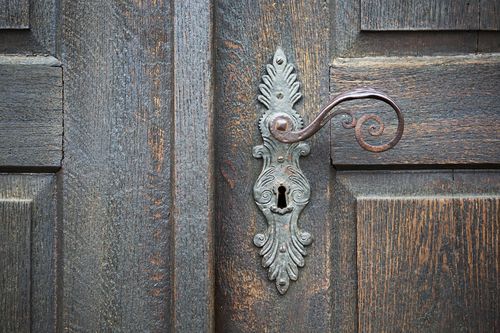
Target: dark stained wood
429	264
488	41
116	168
192	160
349	41
353	189
15	240
489	15
28	252
247	37
419	15
347	188
14	14
450	105
30	111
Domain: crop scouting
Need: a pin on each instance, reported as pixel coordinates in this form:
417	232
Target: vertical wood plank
14	14
116	167
380	15
15	265
193	163
247	36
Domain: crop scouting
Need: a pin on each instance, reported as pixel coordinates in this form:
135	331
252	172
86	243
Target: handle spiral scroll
286	135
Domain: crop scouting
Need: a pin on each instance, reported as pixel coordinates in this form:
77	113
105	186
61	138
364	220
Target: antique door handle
282	191
280	130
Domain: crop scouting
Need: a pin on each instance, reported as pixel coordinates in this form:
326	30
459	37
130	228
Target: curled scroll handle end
286	134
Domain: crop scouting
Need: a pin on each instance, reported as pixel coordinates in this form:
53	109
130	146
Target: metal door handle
282	191
284	133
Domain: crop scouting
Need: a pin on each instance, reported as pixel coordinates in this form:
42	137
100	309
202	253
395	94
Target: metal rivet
281	124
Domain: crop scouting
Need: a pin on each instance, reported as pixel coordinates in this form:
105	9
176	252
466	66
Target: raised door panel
451	107
15	262
428	263
14	14
413	27
420	14
31	111
28	255
416	250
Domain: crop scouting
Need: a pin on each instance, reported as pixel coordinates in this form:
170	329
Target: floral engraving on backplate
281	191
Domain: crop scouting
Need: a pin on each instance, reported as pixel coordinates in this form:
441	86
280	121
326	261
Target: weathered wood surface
45	26
429	264
116	167
28	252
30	111
489	15
247	37
420	14
14	14
450	104
361	257
41	36
349	41
15	261
192	160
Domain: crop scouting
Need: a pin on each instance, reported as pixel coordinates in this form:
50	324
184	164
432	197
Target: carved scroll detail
281	191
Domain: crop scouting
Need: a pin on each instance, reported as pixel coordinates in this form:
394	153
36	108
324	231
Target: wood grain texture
489	15
14	14
348	40
40	38
28	249
193	298
429	264
116	167
45	26
247	36
351	187
30	111
15	261
450	104
400	15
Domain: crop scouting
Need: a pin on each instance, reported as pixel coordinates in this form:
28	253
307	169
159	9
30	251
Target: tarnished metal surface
289	135
281	190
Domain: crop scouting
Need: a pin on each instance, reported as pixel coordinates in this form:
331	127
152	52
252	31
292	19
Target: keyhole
282	197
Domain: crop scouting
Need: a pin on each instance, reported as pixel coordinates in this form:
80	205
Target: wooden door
126	167
405	240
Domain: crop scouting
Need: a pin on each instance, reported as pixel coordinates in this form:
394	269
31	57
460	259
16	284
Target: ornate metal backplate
281	190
